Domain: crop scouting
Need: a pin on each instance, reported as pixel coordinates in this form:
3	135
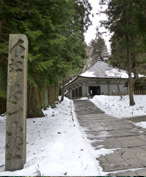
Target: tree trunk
130	85
62	90
119	90
2	105
45	102
0	30
52	95
2	100
34	101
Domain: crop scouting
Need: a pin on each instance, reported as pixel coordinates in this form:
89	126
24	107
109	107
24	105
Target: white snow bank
55	146
115	106
141	124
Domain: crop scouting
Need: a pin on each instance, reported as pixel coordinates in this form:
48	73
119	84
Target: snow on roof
102	69
89	74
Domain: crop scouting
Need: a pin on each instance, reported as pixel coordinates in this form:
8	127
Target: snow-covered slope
55	146
118	107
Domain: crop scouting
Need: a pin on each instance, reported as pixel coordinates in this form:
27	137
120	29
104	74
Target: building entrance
94	90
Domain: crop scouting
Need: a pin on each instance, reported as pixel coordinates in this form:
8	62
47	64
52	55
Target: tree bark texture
45	102
2	100
119	90
34	101
2	105
62	90
53	93
130	84
0	30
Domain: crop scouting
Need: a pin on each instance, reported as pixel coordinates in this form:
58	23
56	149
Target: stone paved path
127	140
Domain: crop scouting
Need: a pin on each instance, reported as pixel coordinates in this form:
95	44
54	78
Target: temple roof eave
76	79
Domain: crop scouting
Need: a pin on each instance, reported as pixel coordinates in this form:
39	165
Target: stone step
127	141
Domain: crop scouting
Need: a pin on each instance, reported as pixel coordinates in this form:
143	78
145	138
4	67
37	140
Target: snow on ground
117	107
141	124
114	105
56	146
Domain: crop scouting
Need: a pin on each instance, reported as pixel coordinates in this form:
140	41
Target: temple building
100	79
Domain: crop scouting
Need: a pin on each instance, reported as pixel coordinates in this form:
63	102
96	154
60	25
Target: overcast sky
91	33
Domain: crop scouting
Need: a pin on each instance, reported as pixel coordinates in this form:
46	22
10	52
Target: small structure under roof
101	78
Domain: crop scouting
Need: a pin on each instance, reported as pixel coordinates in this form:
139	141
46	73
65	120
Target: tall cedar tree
138	52
99	49
55	42
121	21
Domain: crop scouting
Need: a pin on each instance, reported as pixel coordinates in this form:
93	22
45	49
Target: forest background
57	51
54	29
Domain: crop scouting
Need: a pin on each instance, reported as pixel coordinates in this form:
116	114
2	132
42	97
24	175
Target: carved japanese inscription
15	156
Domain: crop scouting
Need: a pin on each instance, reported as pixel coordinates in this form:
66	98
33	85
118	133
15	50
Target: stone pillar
15	154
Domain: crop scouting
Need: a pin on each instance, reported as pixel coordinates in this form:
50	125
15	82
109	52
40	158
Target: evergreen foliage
128	37
127	17
99	49
55	33
96	50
